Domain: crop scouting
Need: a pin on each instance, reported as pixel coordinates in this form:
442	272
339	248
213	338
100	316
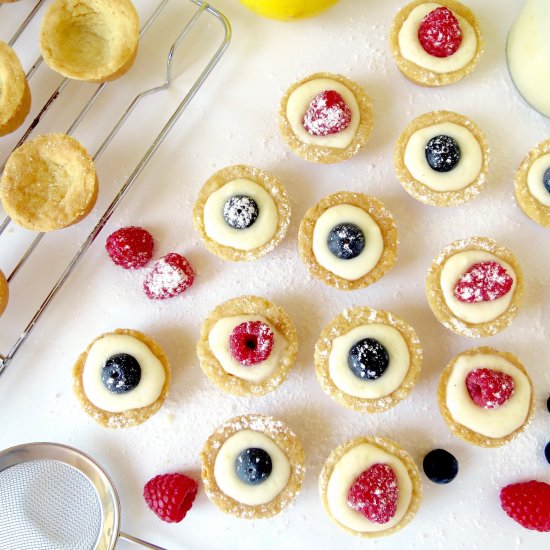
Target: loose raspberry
130	247
170	276
327	114
170	496
489	388
483	282
439	33
251	342
528	503
374	493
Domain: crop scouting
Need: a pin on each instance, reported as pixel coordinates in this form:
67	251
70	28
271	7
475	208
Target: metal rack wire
202	8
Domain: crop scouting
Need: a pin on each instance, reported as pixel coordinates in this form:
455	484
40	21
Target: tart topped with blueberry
442	158
486	396
475	287
247	346
326	118
122	378
435	43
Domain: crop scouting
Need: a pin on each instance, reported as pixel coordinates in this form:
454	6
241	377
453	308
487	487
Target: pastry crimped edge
52	218
4	292
342	324
283	436
329	155
271	184
467	434
420	191
538	212
420	75
247	305
379	214
131	417
436	299
390	447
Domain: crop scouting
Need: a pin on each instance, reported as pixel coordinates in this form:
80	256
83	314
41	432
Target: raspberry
489	388
483	282
327	114
130	247
251	342
170	496
374	493
170	276
528	503
439	33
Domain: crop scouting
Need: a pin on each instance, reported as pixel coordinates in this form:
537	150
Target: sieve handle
134	540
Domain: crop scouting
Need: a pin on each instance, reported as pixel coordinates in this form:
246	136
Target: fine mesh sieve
54	497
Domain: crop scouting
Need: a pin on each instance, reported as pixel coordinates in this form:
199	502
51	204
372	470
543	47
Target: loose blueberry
253	466
368	359
346	241
440	466
547	452
121	373
240	211
442	153
546	179
548	404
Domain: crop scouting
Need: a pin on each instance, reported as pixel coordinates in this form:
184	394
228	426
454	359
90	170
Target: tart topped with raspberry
325	118
435	43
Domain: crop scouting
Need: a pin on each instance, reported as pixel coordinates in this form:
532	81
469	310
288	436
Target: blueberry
346	241
442	153
548	404
253	466
546	179
368	359
240	211
121	373
547	452
440	466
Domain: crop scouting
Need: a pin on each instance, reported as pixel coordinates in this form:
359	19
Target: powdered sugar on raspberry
489	388
170	276
327	114
483	282
439	33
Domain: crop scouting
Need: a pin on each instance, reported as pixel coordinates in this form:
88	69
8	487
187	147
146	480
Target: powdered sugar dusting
327	114
483	282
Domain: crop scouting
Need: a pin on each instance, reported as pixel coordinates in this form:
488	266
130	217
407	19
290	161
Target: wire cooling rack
203	9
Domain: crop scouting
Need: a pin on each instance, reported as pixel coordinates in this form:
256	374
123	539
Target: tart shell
4	292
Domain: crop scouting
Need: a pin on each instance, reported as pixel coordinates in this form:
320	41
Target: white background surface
234	120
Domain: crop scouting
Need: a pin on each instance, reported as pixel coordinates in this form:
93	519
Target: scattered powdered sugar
483	282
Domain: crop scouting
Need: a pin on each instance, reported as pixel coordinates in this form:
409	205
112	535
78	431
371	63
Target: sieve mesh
47	505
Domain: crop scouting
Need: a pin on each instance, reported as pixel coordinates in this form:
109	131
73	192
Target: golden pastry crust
247	305
329	155
420	75
462	431
376	211
530	205
4	292
91	40
275	189
421	191
49	183
437	302
15	95
281	434
342	324
390	447
131	417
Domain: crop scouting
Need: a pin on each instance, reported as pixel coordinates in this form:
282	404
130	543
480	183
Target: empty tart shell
49	183
15	95
421	75
91	40
4	292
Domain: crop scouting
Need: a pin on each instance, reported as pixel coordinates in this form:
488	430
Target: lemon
288	10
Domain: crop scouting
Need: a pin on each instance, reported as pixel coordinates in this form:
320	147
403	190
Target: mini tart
4	292
15	95
382	451
439	188
49	183
425	69
375	221
322	149
230	314
263	234
487	250
523	399
531	194
91	40
131	416
398	339
245	432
